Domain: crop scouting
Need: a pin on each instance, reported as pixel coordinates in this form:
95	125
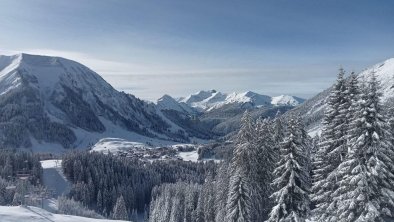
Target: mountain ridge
46	99
205	101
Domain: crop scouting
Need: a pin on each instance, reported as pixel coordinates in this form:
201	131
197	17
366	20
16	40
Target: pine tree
332	149
365	178
291	183
100	206
278	129
209	198
120	212
239	202
221	191
263	162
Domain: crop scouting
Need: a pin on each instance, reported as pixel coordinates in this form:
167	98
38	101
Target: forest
276	173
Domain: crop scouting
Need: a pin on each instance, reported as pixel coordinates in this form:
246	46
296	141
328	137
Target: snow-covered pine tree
365	178
238	201
221	191
306	142
291	183
331	150
209	198
120	212
199	217
278	129
352	97
263	162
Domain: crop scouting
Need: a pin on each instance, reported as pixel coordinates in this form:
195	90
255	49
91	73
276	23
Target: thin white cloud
101	66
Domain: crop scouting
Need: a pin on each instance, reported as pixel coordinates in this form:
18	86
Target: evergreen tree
291	183
263	162
221	191
120	211
209	198
278	129
365	178
239	201
332	149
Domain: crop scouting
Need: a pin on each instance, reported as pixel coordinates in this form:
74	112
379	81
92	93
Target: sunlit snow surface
210	100
189	156
114	145
34	214
51	164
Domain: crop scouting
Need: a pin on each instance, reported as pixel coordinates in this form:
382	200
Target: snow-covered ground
51	164
55	181
54	178
315	131
189	156
193	156
34	214
115	145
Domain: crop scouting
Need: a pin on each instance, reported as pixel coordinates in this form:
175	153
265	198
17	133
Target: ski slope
54	178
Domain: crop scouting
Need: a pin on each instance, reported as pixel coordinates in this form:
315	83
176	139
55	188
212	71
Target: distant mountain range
51	103
220	113
206	101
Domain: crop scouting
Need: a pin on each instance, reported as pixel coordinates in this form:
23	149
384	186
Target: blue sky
177	47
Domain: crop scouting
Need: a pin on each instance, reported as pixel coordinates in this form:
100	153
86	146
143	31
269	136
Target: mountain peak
209	100
70	98
286	100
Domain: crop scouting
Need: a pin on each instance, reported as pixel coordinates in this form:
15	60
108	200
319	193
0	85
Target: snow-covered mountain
312	109
286	100
215	113
56	101
206	101
166	102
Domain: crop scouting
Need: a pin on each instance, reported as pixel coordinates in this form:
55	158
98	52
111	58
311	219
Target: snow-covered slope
34	214
53	177
312	109
286	100
385	75
166	102
210	100
52	100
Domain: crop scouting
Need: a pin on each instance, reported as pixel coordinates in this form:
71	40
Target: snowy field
51	164
115	145
34	214
193	156
189	156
